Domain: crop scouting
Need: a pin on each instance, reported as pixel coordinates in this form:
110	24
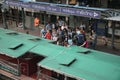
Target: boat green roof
73	61
95	65
15	44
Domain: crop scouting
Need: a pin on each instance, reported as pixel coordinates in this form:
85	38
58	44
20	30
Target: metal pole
38	72
19	67
113	32
32	20
45	18
23	18
4	19
65	78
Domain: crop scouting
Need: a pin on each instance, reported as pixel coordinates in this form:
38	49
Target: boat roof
74	61
15	44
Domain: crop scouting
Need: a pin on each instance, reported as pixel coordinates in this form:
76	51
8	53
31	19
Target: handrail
7	65
46	77
10	67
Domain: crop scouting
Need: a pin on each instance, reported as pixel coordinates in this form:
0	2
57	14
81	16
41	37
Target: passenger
60	40
43	32
104	37
54	35
64	26
105	40
80	37
82	31
49	27
85	44
70	32
48	35
73	34
36	22
59	31
60	22
70	42
82	26
56	25
93	37
65	35
66	44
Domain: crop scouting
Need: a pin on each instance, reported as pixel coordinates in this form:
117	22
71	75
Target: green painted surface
10	41
95	65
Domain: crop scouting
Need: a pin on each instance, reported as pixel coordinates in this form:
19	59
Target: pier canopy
97	13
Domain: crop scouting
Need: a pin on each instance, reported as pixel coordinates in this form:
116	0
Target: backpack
80	39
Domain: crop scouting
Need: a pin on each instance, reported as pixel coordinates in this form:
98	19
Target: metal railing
45	77
10	67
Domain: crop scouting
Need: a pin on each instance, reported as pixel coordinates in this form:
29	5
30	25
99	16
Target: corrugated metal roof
117	18
11	44
93	66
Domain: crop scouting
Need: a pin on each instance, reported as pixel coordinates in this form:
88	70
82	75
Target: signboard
81	12
117	31
25	5
28	0
58	9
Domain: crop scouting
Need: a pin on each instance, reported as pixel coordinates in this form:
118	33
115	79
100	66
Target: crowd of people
67	36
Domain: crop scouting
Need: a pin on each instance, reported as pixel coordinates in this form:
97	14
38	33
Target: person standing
43	32
54	35
85	42
80	37
93	37
36	22
48	35
49	27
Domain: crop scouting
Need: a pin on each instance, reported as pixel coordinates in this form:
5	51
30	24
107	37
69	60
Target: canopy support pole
113	34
